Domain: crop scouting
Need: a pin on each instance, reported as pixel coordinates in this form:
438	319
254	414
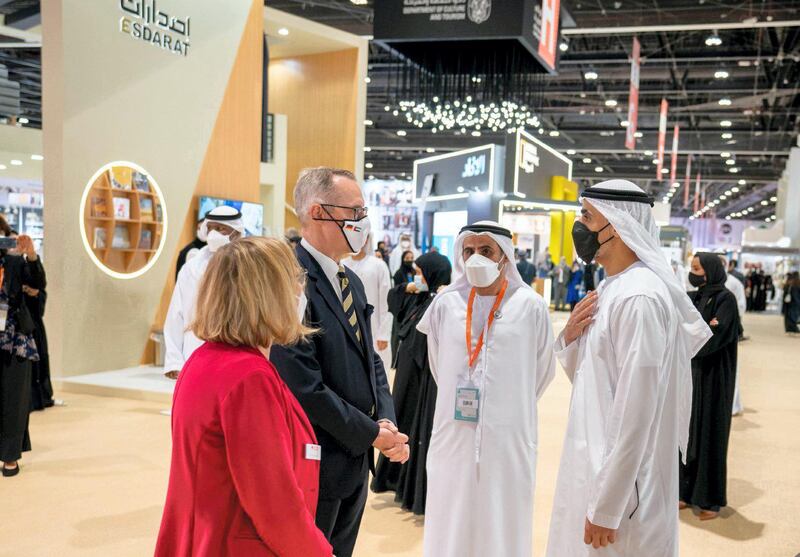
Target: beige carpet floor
95	482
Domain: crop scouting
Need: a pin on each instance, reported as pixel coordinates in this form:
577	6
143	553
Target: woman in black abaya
703	479
414	390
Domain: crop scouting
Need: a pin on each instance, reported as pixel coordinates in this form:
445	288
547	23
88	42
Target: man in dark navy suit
338	378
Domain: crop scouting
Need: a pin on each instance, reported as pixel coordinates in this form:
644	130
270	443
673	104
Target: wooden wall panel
232	161
319	95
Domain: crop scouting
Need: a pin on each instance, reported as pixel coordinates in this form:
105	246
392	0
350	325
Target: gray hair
315	185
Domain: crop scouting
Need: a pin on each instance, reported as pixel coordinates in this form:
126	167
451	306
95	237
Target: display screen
446	227
252	213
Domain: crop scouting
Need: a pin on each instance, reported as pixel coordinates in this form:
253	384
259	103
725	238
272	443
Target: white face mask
216	240
356	233
302	303
421	286
405	244
482	271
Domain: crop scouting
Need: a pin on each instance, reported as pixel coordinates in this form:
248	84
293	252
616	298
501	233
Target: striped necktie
347	302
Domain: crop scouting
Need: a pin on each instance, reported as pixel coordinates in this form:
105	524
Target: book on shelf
122	237
146	239
121	177
146	208
99	241
159	213
141	182
100	206
122	208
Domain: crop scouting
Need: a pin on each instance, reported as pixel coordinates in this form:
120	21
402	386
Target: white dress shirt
329	266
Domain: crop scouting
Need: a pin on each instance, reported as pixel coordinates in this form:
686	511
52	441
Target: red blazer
240	483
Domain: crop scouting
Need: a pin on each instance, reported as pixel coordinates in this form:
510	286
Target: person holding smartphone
17	347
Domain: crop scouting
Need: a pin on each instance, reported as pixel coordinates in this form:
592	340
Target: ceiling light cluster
727	194
713	40
469	115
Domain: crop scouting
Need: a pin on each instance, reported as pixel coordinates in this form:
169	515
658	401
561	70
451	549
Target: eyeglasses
358	212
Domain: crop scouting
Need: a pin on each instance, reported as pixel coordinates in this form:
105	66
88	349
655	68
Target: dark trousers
15	404
340	519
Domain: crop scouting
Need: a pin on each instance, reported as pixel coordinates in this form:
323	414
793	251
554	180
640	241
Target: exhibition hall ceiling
728	69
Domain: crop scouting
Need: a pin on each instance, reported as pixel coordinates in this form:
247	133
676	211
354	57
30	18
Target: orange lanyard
474	355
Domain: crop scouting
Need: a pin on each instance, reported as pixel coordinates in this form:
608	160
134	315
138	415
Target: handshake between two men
391	443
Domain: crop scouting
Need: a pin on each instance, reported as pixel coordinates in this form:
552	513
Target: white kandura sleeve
545	359
428	326
567	355
384	328
639	331
174	328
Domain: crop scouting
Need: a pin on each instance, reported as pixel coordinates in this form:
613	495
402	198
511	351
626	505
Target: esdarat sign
145	22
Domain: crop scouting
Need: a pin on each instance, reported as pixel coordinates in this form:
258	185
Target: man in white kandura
627	349
737	288
374	273
221	225
490	352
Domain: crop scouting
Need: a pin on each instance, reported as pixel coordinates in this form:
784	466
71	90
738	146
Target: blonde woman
245	460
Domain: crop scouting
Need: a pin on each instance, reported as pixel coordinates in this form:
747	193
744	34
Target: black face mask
697	280
586	242
408	265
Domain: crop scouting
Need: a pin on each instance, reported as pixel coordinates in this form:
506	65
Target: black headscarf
436	269
715	279
405	273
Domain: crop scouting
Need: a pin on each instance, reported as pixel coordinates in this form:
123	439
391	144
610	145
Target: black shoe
9	472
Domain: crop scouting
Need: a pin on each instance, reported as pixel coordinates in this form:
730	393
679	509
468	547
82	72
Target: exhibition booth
179	112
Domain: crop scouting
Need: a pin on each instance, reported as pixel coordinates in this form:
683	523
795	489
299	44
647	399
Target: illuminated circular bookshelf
123	220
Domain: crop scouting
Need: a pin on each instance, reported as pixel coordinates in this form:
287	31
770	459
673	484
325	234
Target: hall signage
455	175
533	25
145	21
530	166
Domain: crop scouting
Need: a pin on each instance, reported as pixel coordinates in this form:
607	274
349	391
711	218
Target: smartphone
8	243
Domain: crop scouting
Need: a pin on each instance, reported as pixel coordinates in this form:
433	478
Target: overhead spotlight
638	135
587	160
741	183
369	123
765	202
611	102
598	168
713	40
725	102
734	189
655	161
648	153
665	171
369	165
773	199
721	74
371	177
734	170
590	75
563	47
725	155
402	133
624	123
554	133
570	151
726	123
37	158
727	135
430	150
359	2
16	162
283	31
23	120
367	79
3	167
387	108
367	149
730	162
476	133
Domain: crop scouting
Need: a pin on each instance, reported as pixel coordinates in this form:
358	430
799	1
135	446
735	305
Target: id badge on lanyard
468	394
